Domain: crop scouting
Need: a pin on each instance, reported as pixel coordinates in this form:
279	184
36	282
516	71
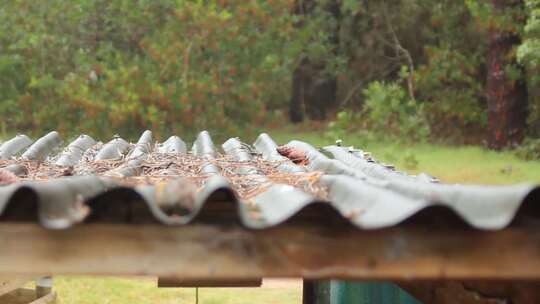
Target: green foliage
349	124
178	66
447	47
529	149
528	54
450	82
388	112
392	111
173	66
344	123
410	162
505	19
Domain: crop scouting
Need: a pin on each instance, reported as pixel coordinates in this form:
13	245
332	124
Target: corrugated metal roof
148	182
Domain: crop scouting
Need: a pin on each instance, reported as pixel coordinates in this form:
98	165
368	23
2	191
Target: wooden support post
308	292
43	286
316	292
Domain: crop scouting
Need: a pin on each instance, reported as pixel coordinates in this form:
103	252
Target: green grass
467	164
103	290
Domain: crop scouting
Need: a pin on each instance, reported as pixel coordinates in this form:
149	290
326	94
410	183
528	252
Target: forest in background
417	70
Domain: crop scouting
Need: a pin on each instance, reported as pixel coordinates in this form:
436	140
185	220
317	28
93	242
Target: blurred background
439	86
416	70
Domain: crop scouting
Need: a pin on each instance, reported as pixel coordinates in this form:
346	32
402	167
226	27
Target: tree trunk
314	90
506	98
314	93
296	105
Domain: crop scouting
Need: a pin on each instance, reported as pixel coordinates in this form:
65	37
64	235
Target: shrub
389	109
107	67
529	149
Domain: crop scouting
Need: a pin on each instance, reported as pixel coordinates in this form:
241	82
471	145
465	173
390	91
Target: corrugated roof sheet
148	182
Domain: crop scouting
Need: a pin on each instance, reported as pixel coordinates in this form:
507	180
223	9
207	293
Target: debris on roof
259	185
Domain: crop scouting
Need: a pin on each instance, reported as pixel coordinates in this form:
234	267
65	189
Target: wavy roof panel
254	185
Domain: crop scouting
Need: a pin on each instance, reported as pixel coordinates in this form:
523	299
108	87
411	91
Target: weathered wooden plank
198	252
207	283
47	299
27	296
19	296
11	291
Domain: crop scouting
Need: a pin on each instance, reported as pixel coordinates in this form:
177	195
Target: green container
368	293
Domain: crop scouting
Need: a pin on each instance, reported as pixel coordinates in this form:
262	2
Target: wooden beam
19	296
206	283
198	252
47	299
27	296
